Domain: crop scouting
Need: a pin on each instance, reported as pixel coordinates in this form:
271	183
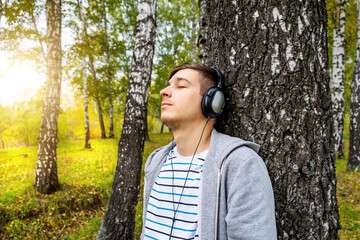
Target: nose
165	92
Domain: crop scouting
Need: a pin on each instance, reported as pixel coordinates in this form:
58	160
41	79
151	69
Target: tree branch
33	21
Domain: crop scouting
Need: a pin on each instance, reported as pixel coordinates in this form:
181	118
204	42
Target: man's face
182	99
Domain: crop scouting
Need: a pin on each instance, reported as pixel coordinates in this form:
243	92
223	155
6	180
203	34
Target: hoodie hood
222	145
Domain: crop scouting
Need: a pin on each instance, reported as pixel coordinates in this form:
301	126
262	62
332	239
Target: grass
76	211
85	176
348	196
348	193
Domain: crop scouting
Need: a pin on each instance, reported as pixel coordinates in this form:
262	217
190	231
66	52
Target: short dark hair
210	76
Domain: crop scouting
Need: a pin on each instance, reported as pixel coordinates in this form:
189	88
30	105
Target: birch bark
96	95
119	218
1	10
93	72
86	105
193	31
203	32
354	144
338	77
109	75
275	58
46	172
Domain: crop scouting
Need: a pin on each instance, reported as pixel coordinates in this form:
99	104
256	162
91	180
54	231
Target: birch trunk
338	77
92	70
46	172
119	218
193	31
96	96
146	136
275	58
203	31
1	9
109	75
354	144
175	47
86	105
162	128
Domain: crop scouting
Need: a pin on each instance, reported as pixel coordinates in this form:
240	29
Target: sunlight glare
19	81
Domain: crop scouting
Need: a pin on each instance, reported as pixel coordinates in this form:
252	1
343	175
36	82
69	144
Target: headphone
213	101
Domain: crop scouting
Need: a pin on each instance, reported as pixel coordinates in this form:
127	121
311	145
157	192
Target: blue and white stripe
166	193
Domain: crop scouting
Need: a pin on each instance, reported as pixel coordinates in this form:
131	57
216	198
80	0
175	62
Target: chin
169	122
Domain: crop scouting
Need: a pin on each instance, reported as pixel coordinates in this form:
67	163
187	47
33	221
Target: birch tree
1	10
96	94
203	31
193	31
84	75
76	56
46	172
354	125
86	104
119	218
338	77
109	74
275	59
93	72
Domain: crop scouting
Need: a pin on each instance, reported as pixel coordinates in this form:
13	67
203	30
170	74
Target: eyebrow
178	79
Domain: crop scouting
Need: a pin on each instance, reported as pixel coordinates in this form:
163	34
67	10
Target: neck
187	138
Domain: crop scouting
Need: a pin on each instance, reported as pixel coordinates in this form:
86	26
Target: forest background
22	61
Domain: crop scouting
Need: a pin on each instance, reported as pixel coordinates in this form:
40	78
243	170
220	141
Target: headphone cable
187	175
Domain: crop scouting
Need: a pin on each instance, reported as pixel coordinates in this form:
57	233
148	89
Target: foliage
23	37
121	17
173	46
6	119
23	33
20	123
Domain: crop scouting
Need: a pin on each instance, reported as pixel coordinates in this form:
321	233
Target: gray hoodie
246	201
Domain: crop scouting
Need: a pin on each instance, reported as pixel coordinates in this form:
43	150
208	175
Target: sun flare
18	81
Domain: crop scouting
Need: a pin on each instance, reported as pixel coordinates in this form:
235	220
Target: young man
204	185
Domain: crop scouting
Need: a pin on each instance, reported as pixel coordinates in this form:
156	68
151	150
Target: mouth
164	104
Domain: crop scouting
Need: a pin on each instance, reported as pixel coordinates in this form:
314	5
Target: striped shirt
166	218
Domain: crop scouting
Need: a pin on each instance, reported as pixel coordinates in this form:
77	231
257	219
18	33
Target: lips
164	104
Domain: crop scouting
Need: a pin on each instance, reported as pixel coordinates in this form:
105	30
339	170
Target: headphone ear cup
205	103
218	102
213	102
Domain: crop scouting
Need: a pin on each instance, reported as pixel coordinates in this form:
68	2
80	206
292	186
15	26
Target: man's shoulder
239	156
156	157
246	161
222	145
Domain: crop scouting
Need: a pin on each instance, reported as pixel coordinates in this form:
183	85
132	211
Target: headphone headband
220	76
